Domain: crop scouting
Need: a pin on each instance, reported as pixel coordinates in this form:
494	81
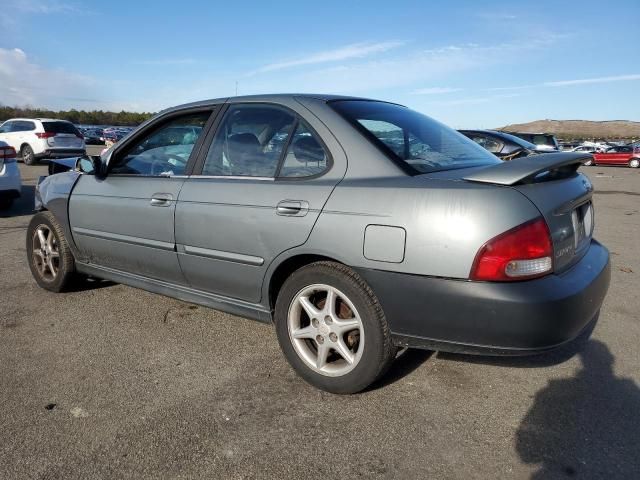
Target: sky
469	64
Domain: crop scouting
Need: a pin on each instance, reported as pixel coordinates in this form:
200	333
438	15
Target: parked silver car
356	226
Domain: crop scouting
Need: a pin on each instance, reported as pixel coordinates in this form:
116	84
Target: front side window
417	142
164	151
249	141
305	156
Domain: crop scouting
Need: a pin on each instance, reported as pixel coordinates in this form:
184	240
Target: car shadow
24	205
83	284
586	426
406	362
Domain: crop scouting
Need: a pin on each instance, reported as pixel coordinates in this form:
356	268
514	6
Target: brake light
7	155
45	134
79	135
521	253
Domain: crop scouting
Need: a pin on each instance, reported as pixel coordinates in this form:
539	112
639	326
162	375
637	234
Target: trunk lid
65	135
561	194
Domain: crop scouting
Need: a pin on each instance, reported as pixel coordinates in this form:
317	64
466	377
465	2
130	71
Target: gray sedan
357	227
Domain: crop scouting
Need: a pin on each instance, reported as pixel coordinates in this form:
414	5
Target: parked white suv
36	138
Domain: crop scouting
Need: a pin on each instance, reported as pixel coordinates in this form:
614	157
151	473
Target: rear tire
50	259
342	346
634	162
28	157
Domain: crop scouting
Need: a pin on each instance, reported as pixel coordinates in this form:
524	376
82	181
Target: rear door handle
292	208
161	199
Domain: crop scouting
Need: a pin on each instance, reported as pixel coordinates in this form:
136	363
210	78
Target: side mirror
90	165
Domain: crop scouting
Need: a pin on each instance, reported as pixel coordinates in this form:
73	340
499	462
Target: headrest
307	149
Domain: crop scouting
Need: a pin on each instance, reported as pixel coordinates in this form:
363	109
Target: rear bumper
493	318
10	181
61	153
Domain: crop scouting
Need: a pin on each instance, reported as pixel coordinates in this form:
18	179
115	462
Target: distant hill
580	129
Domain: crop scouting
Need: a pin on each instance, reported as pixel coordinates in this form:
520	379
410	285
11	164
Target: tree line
82	117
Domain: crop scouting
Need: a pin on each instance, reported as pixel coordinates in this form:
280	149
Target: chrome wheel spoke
330	303
50	240
306	332
309	307
41	237
323	353
346	325
344	351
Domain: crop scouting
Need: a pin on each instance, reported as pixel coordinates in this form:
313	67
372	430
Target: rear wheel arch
286	268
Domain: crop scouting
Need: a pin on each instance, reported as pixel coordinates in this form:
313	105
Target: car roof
504	135
37	119
269	98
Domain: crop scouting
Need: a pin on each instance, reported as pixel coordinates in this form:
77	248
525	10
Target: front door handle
161	199
292	208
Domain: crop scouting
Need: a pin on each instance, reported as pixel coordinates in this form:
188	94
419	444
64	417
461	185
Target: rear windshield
60	127
419	143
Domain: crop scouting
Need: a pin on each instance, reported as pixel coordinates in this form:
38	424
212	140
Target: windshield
421	144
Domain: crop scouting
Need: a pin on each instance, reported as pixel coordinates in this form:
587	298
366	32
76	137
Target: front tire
332	329
50	258
28	157
634	162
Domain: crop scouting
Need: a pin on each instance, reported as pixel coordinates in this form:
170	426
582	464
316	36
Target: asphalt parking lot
113	382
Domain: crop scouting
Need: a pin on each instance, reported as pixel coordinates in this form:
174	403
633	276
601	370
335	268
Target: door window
6	127
249	142
164	151
305	156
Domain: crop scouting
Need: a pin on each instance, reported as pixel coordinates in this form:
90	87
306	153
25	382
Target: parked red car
625	155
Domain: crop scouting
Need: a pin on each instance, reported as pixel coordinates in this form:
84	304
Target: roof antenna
236	88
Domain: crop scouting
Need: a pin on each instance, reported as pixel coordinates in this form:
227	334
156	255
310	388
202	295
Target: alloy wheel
45	253
325	330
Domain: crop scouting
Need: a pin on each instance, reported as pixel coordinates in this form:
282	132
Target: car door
125	221
257	191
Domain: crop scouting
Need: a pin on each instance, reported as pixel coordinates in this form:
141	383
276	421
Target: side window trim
158	124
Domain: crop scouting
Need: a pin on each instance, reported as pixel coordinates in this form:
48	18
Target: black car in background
503	145
92	136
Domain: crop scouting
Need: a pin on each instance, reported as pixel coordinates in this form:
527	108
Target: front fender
52	193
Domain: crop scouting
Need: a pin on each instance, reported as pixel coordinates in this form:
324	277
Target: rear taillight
79	135
7	155
521	253
45	134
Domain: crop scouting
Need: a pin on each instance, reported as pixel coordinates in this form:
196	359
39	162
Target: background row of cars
513	145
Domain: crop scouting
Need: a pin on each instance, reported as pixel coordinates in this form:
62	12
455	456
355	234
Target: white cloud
355	50
435	90
42	6
569	83
584	81
166	61
23	82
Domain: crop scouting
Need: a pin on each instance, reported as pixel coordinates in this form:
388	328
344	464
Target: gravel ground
113	382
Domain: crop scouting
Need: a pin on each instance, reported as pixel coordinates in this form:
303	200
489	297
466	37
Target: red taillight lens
521	253
7	153
45	134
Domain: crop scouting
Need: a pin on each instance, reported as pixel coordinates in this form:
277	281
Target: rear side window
305	156
491	144
418	143
249	141
60	127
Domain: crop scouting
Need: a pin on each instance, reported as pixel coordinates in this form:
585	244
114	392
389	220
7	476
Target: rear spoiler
525	170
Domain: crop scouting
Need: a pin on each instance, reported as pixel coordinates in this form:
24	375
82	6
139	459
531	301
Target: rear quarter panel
446	222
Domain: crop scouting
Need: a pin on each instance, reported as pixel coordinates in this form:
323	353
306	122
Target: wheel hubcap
635	163
325	330
45	255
